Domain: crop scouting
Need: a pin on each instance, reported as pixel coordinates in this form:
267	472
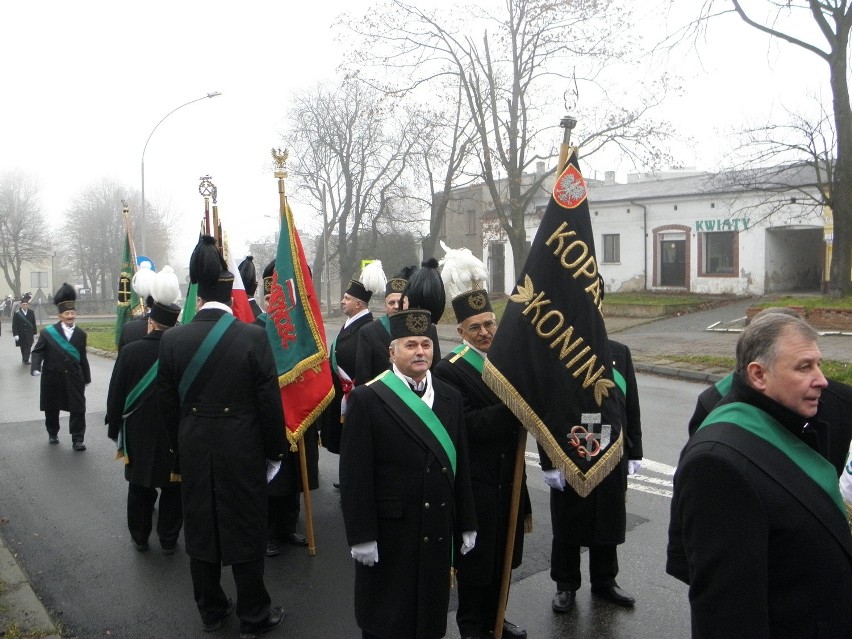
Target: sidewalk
21	610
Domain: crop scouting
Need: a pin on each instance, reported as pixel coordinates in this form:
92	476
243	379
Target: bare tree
782	19
350	149
22	226
531	54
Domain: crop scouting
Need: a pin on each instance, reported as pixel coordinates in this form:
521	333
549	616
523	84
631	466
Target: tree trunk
841	195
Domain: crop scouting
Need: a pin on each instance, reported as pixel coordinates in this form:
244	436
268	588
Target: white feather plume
462	271
142	279
165	287
373	277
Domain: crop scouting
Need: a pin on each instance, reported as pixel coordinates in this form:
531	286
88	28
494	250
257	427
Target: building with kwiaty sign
741	233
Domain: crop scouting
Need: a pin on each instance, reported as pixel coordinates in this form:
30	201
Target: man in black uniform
492	435
248	273
218	392
374	339
599	520
24	328
60	358
405	490
284	489
343	352
135	423
752	489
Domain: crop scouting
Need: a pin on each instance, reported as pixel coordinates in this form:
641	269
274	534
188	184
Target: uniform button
503	456
426	505
194	410
227	410
443	505
444	470
425	540
440	539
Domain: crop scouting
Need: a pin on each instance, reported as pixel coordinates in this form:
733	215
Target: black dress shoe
78	446
336	485
511	630
295	539
276	616
213	626
563	601
141	546
272	550
611	592
53	439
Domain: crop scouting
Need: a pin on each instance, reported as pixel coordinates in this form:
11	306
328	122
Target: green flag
126	297
189	305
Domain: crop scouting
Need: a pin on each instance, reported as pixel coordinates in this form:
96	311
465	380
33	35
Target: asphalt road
66	525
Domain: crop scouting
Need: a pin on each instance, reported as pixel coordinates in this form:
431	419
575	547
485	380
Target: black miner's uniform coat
345	349
395	491
25	328
148	448
63	380
492	436
223	437
601	517
372	355
134	329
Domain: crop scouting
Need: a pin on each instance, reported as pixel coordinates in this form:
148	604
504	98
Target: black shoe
78	446
168	547
276	616
53	439
272	550
141	546
611	592
295	539
336	485
213	626
511	630
563	601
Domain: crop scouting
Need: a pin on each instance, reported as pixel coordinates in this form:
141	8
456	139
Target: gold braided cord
582	483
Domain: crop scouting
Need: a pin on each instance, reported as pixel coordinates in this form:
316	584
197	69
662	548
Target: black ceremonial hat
248	274
165	314
268	271
26	298
397	283
65	298
356	289
471	303
425	289
412	322
208	270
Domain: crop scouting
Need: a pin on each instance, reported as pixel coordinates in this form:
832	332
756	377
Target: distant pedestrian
59	357
136	424
24	328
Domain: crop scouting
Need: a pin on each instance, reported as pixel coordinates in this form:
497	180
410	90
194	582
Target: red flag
240	306
296	333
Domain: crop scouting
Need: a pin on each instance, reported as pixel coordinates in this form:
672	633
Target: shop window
720	253
611	248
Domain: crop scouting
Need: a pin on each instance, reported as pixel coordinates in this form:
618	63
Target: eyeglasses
489	326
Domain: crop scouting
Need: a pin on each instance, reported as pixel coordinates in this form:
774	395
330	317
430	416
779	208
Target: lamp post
142	221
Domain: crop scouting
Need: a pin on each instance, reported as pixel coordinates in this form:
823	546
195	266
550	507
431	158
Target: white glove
272	468
16	337
36	373
366	553
468	541
555	479
633	466
846	480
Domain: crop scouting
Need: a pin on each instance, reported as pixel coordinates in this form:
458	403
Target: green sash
27	320
618	378
724	384
203	352
262	317
465	352
423	412
385	320
762	425
62	344
131	403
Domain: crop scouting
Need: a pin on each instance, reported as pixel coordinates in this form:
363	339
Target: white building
695	232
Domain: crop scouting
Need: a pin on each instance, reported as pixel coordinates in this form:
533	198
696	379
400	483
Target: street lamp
142	229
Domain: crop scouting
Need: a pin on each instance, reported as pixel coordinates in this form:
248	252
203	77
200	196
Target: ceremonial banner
295	329
550	361
240	304
126	298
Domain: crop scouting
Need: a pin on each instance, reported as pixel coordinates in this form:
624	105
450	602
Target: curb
679	373
19	604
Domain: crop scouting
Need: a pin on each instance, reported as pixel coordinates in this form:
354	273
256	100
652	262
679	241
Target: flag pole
206	189
284	212
568	123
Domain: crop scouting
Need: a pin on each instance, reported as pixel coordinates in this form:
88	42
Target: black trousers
253	602
76	424
477	609
565	565
140	513
283	515
26	347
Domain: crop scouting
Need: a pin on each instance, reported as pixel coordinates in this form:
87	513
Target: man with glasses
492	436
